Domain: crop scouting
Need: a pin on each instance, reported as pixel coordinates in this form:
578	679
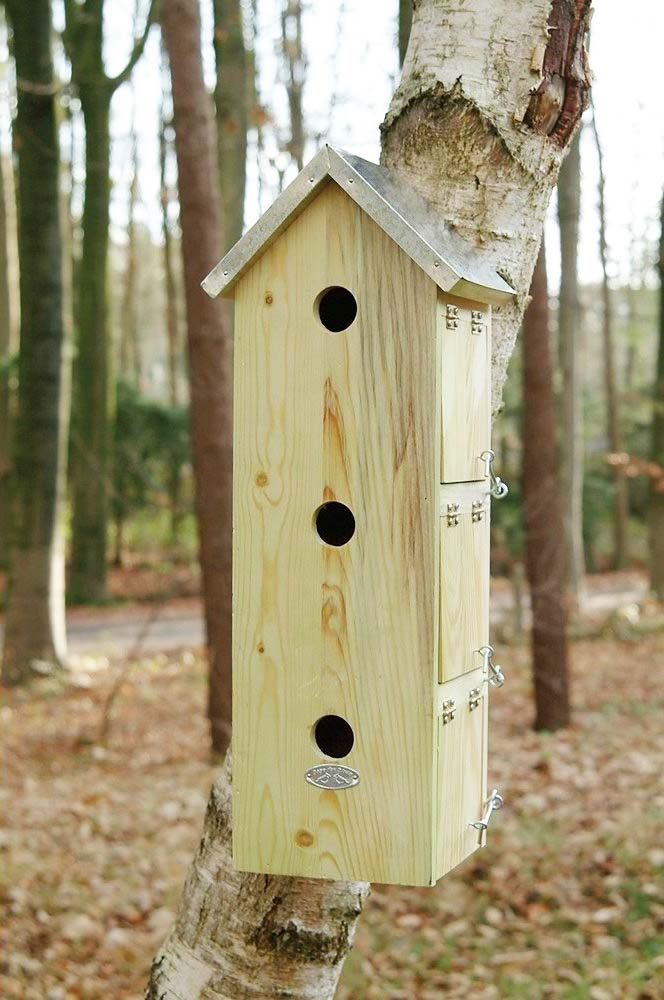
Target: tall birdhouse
361	488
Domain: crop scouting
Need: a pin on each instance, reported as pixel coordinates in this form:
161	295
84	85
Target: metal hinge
449	710
474	698
452	515
452	317
477	510
476	321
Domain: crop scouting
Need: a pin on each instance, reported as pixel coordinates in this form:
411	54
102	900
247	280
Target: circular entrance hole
336	308
334	523
334	736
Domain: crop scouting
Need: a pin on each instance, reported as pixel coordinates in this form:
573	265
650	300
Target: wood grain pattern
348	631
462	757
466	397
464	580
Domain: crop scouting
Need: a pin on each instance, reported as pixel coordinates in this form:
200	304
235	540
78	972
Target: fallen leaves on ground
566	901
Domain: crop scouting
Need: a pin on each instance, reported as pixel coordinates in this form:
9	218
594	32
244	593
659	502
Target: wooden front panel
318	630
465	339
464	578
462	770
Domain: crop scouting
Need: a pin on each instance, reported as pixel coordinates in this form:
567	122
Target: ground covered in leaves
102	806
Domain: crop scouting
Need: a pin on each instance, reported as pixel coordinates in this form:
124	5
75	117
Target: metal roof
397	208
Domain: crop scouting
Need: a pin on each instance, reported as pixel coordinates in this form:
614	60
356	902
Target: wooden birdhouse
361	482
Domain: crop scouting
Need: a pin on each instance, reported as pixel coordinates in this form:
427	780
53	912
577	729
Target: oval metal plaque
334	776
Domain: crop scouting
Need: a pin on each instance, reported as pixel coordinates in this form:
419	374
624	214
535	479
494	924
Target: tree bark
35	622
571	353
231	96
489	99
545	556
93	381
243	936
209	347
613	422
657	452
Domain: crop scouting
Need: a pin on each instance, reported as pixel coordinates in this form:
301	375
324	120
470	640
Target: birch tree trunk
571	353
210	346
545	557
482	134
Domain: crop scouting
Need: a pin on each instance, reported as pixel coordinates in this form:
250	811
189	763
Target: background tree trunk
571	353
6	348
35	622
545	556
240	935
171	307
613	423
131	365
231	96
93	379
210	347
405	21
657	489
293	53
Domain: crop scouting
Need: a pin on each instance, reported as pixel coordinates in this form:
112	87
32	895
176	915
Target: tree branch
139	45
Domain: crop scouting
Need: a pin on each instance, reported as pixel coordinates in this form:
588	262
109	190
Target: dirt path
178	623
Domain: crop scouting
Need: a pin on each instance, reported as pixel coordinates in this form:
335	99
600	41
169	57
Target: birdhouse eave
400	211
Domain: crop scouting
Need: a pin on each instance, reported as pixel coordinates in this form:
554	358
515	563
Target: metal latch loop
498	489
495	801
495	675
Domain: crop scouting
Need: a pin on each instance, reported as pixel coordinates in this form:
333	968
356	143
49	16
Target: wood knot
268	299
303	838
261	479
260	647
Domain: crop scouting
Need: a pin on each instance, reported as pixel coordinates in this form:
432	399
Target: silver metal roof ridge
400	211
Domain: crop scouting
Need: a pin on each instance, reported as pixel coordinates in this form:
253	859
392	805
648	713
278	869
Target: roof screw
311	180
350	180
436	263
225	273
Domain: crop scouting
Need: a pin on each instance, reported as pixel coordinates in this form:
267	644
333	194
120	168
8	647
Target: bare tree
613	422
231	97
6	348
405	21
35	624
91	432
471	81
571	354
657	451
210	346
293	53
130	348
171	297
545	556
